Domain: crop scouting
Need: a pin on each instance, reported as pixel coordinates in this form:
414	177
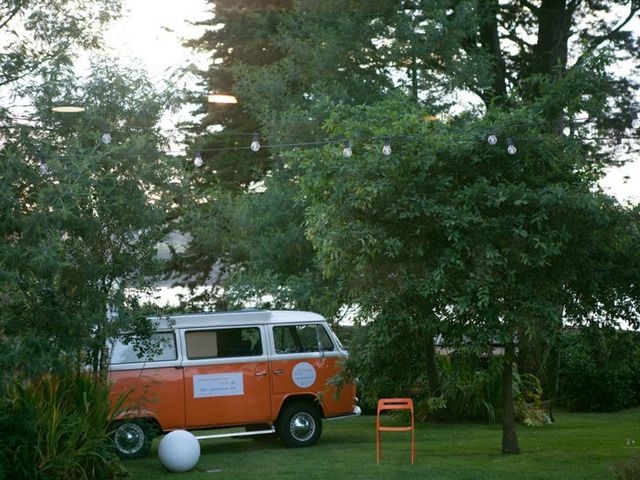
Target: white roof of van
241	317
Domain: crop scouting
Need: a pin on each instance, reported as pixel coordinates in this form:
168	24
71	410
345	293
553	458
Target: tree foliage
39	37
491	243
291	63
253	250
599	369
238	34
76	237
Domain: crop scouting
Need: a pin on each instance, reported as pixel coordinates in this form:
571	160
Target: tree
38	37
250	40
239	33
252	246
491	242
75	238
351	54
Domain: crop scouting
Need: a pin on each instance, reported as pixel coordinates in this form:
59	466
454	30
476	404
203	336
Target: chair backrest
395	404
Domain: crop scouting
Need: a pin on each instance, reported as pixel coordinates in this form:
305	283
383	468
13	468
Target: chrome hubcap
129	438
302	426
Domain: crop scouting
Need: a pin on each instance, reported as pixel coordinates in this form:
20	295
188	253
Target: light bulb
386	150
636	122
255	144
221	98
492	139
346	151
106	138
198	161
44	168
511	148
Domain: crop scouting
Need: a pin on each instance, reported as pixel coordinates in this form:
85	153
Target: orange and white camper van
266	371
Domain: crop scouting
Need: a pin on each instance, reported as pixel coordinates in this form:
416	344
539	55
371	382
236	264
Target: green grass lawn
577	446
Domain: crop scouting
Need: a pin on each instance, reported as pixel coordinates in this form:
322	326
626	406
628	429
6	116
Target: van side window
301	338
223	343
161	347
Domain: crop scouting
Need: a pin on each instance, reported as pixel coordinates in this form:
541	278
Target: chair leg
413	447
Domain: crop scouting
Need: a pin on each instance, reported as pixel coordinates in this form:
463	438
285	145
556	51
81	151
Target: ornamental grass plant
55	427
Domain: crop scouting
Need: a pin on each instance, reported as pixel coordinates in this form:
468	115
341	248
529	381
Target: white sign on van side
304	375
218	385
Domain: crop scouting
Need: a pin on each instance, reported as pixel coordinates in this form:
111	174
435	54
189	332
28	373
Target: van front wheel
131	438
299	425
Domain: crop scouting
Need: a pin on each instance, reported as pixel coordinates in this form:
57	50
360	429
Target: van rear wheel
131	438
299	425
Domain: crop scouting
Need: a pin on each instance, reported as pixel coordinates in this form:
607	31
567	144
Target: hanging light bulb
386	150
198	161
106	138
492	139
635	123
346	151
511	148
255	144
43	167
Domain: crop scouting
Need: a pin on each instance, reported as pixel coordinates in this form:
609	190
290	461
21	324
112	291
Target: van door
226	377
151	384
305	360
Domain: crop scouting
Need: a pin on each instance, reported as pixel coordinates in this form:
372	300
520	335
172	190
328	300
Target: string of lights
347	146
491	136
347	150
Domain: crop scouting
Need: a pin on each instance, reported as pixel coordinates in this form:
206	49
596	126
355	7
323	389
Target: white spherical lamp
179	451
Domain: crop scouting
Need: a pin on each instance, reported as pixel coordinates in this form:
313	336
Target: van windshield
301	338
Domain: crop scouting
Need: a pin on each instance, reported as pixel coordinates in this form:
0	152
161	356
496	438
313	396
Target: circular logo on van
304	375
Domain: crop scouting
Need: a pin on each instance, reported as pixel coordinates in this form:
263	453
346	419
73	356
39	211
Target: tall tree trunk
554	24
490	41
424	315
414	79
509	435
432	367
557	350
549	54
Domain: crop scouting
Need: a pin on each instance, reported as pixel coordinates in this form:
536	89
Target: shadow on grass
239	446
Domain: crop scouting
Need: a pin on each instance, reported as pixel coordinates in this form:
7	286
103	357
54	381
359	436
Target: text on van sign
218	385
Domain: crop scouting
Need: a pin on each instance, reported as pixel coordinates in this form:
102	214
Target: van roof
241	317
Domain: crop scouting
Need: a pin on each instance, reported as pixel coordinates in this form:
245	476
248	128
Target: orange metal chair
385	404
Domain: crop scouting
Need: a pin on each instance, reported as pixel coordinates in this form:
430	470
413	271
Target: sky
152	31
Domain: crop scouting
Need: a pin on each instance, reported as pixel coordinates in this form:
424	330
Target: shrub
387	359
599	369
55	427
472	390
